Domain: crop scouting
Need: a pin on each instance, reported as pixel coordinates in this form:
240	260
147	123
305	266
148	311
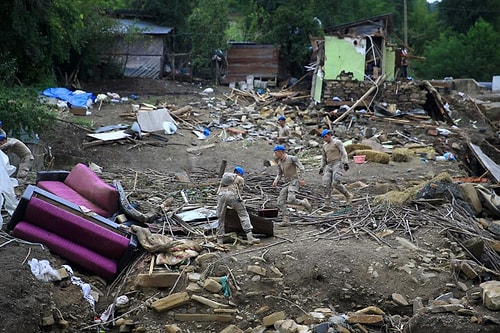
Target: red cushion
75	228
83	187
64	191
94	262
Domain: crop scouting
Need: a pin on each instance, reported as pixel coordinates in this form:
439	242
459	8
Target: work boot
348	198
285	222
307	205
251	239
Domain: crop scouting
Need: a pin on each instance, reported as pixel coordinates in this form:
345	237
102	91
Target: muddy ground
330	263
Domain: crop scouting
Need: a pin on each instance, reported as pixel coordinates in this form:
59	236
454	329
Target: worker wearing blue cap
292	171
284	131
334	162
229	194
18	148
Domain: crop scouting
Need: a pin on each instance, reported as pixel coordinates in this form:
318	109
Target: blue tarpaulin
80	99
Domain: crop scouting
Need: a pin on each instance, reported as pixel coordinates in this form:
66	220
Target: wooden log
379	80
208	302
224	318
156	280
192	149
170	302
182	110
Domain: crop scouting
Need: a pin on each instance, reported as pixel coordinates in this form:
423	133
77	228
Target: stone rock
286	326
172	329
273	317
470	195
231	329
399	299
257	270
212	286
491	295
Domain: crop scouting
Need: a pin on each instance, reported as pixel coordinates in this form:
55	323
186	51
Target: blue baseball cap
325	132
280	118
279	147
239	170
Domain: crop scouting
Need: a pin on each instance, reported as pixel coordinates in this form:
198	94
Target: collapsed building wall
404	95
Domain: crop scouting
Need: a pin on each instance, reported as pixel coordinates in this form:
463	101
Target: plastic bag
169	127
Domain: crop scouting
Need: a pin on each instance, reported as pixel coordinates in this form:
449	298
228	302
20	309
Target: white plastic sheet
7	195
169	127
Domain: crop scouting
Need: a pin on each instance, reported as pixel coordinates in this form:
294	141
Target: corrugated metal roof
145	27
366	26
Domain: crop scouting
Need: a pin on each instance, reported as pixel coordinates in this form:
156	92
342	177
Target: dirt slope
333	261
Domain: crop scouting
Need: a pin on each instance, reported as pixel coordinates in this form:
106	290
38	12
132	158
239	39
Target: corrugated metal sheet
142	59
380	25
258	60
144	27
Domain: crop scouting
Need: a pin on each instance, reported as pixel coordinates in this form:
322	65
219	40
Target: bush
21	111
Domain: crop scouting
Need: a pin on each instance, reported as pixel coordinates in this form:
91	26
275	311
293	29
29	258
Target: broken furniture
261	220
90	241
82	187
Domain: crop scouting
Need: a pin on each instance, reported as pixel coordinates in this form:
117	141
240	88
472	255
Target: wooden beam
379	80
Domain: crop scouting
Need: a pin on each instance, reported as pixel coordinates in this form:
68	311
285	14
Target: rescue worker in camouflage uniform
228	194
334	163
17	147
292	171
284	132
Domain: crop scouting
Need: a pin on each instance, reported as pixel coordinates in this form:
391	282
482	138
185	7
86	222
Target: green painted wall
389	63
343	54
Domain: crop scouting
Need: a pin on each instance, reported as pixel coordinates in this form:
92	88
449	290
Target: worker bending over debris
228	194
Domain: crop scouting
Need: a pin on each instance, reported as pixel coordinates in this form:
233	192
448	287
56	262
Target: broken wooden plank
486	161
170	302
156	280
261	225
359	101
192	149
94	143
208	302
182	110
223	318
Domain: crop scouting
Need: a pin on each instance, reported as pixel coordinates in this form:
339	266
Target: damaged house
141	56
245	62
357	65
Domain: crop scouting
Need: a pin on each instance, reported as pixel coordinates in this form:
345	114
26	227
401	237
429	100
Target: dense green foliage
58	41
21	111
207	25
48	39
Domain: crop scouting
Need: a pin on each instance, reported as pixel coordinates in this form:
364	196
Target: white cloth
43	271
7	195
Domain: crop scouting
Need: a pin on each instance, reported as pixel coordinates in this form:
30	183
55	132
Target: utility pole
405	23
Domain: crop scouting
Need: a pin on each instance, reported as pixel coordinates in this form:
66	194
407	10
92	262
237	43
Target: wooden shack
243	60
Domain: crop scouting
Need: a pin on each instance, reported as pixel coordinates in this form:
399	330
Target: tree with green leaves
461	15
423	25
47	39
207	26
471	55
